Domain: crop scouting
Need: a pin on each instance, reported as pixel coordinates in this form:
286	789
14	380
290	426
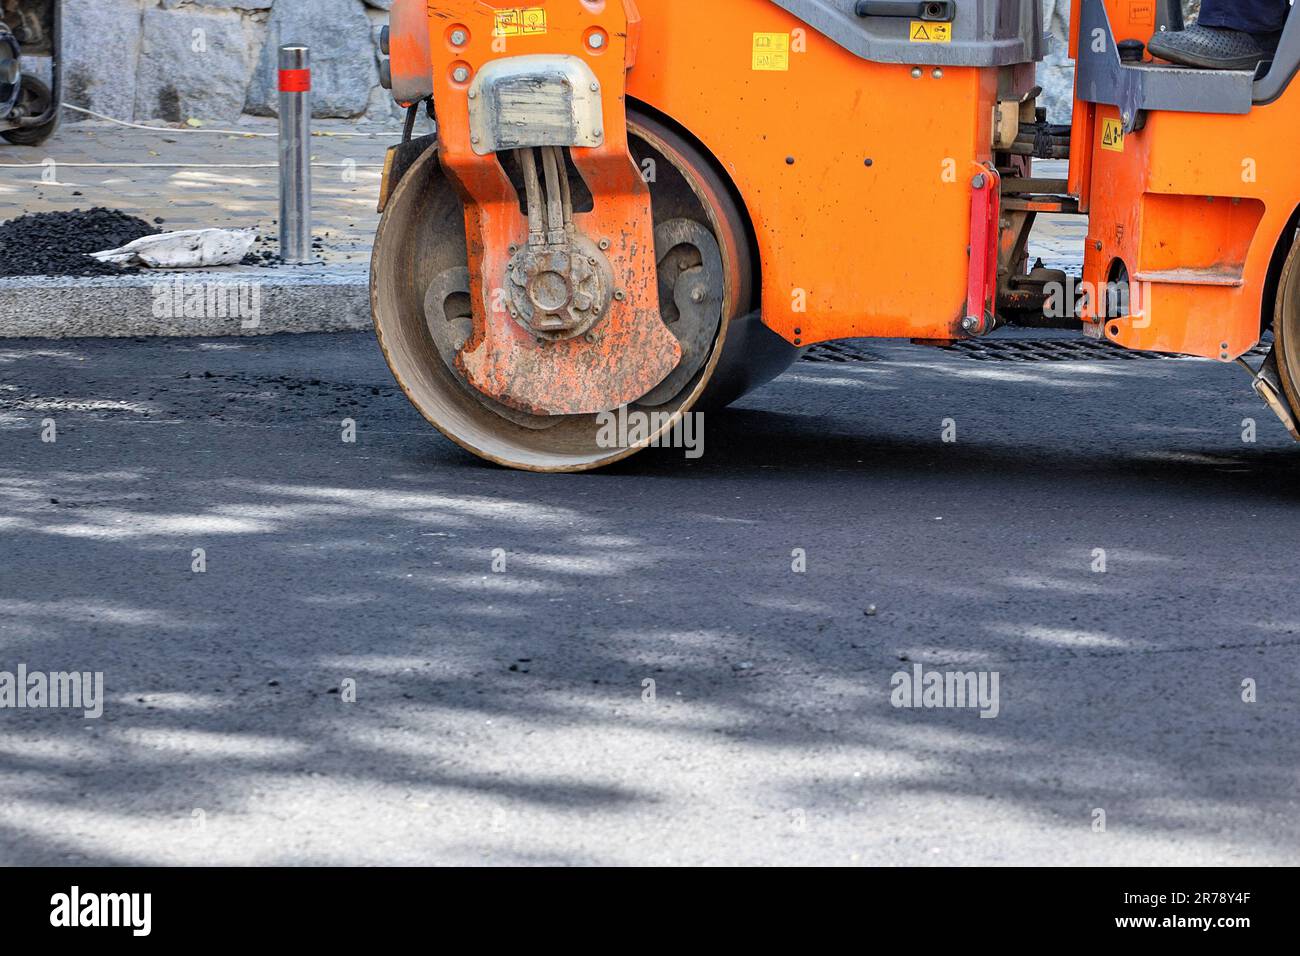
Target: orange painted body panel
847	248
1194	206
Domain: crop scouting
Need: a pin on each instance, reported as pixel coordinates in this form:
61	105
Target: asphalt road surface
505	716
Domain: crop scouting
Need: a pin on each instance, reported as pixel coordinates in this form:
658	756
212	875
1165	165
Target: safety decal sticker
926	32
1112	135
772	52
520	22
1142	13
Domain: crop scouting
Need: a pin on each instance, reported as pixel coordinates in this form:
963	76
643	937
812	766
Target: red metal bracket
982	280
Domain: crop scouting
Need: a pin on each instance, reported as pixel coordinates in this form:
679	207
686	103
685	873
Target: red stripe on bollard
295	81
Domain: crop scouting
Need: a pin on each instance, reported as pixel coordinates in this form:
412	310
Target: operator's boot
1214	48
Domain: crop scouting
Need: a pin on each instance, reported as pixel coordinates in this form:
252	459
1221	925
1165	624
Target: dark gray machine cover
984	32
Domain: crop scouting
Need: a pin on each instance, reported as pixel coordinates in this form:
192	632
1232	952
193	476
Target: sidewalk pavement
193	178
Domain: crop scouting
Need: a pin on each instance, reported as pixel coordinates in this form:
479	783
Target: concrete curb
214	302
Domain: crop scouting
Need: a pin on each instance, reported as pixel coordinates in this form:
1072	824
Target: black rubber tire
36	93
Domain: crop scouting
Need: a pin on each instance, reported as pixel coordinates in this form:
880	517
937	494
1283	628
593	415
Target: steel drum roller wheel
1286	328
419	299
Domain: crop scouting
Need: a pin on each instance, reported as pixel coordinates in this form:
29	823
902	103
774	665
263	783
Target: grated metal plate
838	353
1051	350
1011	350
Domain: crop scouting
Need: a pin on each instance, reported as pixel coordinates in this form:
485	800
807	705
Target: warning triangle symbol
921	33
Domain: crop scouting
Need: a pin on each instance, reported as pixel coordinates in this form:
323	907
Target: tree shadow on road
484	696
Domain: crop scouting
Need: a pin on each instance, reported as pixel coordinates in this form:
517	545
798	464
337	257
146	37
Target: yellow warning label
923	32
772	51
1112	135
520	22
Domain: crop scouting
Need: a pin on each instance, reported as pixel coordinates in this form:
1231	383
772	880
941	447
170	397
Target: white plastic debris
189	249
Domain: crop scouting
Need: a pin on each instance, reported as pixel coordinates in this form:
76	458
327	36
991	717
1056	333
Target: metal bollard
295	154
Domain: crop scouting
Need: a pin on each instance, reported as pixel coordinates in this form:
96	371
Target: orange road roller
653	207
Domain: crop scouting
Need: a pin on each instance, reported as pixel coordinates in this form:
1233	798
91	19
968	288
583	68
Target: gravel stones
59	243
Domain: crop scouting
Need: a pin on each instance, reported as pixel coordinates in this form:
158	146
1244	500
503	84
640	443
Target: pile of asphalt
59	243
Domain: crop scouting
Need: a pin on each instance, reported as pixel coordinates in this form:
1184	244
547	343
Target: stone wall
1056	72
212	60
